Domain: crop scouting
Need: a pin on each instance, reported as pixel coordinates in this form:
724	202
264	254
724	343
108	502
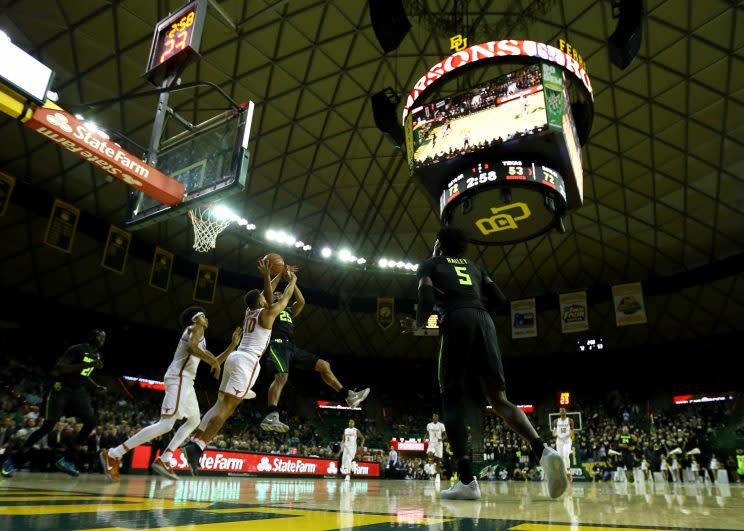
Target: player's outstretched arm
237	335
299	303
266	319
264	266
493	294
197	333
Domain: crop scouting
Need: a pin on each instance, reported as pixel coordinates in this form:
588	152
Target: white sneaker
271	422
250	395
354	398
555	472
460	491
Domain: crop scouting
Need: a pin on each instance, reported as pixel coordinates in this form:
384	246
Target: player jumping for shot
242	365
284	354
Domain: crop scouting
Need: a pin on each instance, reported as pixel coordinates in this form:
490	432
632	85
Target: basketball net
207	226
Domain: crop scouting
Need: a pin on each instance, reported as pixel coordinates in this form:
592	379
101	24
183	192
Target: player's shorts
68	403
239	373
436	448
284	354
469	346
180	398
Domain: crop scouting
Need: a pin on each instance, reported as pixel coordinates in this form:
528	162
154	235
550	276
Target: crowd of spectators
662	441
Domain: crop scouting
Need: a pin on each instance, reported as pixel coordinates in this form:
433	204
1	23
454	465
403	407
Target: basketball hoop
209	222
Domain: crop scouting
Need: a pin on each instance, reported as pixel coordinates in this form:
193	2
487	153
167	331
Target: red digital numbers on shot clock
176	38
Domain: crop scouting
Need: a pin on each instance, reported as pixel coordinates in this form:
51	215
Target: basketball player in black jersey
469	347
67	394
283	354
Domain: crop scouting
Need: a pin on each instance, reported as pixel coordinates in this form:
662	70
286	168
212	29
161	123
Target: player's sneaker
613	452
694	451
271	422
8	468
555	472
192	452
354	398
68	468
109	465
164	469
250	395
460	491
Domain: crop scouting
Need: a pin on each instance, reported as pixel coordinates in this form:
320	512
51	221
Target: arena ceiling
664	167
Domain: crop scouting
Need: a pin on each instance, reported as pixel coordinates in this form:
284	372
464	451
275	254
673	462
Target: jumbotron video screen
508	107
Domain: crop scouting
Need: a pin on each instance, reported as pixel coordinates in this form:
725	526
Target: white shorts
436	448
347	459
239	373
180	398
563	447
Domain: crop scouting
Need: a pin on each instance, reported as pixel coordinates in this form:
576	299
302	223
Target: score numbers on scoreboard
176	41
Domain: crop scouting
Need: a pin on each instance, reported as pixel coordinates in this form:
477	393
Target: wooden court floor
55	502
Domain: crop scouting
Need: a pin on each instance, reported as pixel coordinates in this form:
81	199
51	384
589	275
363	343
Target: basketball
277	263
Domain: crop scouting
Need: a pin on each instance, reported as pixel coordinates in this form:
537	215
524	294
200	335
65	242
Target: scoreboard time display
176	42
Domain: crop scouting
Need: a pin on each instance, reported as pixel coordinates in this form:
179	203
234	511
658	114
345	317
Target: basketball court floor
55	502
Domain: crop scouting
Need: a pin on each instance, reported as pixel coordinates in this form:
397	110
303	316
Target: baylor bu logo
503	218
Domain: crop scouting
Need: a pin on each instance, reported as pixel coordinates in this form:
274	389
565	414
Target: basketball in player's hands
276	263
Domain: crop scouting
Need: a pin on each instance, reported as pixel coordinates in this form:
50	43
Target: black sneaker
193	452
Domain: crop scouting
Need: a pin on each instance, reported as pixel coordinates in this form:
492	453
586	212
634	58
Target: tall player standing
242	366
349	448
435	430
563	431
469	347
180	398
284	354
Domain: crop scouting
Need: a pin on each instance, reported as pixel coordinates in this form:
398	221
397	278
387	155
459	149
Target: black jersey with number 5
457	282
283	326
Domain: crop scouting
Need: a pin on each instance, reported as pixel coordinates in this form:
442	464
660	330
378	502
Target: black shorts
284	354
68	403
469	347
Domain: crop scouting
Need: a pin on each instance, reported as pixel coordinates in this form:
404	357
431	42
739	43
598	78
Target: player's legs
347	459
191	410
278	359
276	387
215	418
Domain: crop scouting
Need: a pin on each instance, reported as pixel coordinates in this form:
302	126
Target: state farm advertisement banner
80	139
232	462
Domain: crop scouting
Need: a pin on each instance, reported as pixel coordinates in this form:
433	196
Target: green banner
116	251
205	287
553	85
60	232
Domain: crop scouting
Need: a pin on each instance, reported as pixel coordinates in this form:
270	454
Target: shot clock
175	43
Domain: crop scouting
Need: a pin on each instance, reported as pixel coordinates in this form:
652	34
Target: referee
469	347
68	395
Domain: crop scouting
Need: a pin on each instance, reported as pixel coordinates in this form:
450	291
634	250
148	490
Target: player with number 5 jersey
469	350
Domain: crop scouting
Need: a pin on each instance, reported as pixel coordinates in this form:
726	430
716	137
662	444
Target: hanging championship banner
523	318
574	312
7	182
117	250
63	221
205	287
385	311
629	307
160	272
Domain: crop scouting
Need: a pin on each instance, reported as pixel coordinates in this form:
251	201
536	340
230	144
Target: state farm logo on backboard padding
59	120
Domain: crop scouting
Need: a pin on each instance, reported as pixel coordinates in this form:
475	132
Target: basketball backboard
211	160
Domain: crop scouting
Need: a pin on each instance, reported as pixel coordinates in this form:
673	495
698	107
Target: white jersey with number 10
255	336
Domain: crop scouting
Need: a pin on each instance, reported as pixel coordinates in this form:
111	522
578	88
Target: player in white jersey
435	431
180	399
349	448
242	366
563	430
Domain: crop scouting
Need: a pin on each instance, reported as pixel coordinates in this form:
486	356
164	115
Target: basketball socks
166	456
465	470
201	444
117	453
537	447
